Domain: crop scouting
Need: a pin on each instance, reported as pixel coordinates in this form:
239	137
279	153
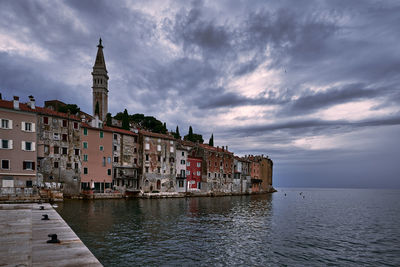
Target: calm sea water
325	227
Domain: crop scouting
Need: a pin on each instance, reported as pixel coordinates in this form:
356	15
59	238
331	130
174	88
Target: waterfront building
255	173
17	147
158	152
125	161
59	149
193	173
183	149
266	173
246	178
96	146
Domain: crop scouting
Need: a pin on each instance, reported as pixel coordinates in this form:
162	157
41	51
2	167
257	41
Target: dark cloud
178	63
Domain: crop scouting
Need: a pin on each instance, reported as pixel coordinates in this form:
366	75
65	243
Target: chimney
223	148
32	102
16	102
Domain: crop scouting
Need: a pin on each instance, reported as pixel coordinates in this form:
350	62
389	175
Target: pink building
193	172
17	144
96	151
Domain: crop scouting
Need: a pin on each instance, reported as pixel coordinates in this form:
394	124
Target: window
46	149
28	126
115	137
159	170
108	171
198	164
101	148
84	131
188	163
134	150
147	170
115	148
85	145
147	157
64	123
109	159
198	173
28	146
56	164
6	144
28	165
29	183
69	165
6	124
180	183
76	125
64	151
183	153
85	157
159	158
158	147
56	136
135	160
56	150
46	120
76	151
159	140
171	149
76	165
116	159
104	161
64	137
187	173
147	146
5	164
85	170
101	134
183	161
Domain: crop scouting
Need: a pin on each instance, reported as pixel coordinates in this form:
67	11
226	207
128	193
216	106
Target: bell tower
100	85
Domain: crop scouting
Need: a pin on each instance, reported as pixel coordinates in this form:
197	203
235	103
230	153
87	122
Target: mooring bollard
53	239
45	217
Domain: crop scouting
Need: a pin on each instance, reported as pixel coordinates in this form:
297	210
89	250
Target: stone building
17	148
217	174
245	174
126	162
158	152
193	173
266	173
59	152
255	173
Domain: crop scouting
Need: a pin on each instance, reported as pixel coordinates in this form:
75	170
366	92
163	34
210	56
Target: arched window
158	184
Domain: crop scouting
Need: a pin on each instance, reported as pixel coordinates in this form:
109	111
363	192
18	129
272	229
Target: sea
292	227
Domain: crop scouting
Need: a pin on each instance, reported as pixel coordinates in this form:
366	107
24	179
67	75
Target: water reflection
326	227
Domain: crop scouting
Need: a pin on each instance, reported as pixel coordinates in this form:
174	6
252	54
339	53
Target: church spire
100	84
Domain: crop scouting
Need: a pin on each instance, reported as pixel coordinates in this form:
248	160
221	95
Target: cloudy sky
313	84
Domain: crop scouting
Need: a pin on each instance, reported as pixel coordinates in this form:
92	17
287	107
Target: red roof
218	149
158	135
119	130
37	109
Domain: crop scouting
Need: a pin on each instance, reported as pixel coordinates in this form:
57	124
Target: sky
315	85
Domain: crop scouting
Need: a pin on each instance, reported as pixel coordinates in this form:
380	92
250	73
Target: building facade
96	171
17	147
194	173
158	170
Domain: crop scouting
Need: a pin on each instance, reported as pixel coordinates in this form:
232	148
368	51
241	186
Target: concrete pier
24	235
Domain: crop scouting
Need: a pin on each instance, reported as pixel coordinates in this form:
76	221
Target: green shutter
101	134
84	131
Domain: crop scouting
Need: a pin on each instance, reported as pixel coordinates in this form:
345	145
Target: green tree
176	133
211	142
190	134
125	120
108	119
72	108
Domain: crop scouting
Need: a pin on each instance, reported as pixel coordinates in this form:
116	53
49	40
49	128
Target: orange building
96	171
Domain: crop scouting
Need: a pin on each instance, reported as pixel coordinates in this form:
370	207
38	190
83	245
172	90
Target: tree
165	127
211	142
97	109
176	134
108	119
72	108
190	134
125	120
